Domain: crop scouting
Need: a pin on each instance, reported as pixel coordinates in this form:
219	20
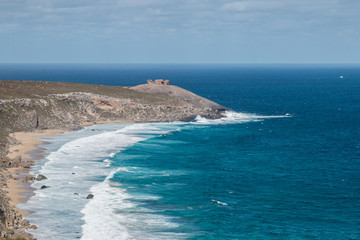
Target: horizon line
189	63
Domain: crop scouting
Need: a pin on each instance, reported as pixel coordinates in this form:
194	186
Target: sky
179	31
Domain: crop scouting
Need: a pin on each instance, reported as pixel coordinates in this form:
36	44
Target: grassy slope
32	89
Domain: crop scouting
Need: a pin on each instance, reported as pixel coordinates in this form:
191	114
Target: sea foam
231	117
83	165
74	171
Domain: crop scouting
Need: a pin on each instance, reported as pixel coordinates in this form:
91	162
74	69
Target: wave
74	170
112	215
231	117
219	202
83	165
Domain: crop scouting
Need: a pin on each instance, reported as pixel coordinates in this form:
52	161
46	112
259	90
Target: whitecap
77	166
111	215
231	117
220	203
122	169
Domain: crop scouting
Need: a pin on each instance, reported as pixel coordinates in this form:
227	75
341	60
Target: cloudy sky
180	31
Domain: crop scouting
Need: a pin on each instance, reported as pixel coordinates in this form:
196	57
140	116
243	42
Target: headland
33	109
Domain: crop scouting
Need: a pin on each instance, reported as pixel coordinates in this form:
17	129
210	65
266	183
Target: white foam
111	215
99	217
231	117
220	203
74	171
122	169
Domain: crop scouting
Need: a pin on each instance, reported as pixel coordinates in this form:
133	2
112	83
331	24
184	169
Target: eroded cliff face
27	106
12	225
72	109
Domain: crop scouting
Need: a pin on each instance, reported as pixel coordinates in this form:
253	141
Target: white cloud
142	3
255	5
201	16
235	6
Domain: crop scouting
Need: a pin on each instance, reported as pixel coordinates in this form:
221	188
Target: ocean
283	163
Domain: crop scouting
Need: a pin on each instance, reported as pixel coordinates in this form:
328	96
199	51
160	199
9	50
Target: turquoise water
284	164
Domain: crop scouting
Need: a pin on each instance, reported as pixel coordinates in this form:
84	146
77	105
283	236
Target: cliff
32	105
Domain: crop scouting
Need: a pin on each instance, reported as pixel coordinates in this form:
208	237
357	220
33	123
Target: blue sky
180	31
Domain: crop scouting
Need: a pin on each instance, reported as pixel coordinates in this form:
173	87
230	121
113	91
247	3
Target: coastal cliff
35	105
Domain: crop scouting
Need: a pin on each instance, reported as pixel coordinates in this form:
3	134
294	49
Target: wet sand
20	190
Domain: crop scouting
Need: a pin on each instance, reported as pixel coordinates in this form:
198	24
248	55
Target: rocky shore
28	106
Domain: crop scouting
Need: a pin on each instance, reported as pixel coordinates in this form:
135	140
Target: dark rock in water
44	186
40	177
90	196
76	194
73	173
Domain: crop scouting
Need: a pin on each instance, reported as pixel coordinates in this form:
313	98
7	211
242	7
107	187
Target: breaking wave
231	117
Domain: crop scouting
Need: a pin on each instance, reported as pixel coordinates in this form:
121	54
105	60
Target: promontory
31	106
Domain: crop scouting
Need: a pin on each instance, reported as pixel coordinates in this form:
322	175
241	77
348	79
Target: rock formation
158	81
40	177
90	196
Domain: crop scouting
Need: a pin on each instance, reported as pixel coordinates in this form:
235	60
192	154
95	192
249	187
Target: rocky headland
31	106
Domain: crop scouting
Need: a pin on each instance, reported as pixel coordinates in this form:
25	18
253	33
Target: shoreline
19	189
34	105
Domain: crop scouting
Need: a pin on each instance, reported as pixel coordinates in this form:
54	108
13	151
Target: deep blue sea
284	163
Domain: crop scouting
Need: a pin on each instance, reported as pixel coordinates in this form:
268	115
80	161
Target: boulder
76	128
40	177
26	164
33	227
90	196
29	178
25	222
17	160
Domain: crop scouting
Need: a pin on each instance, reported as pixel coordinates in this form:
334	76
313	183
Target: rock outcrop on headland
208	107
30	105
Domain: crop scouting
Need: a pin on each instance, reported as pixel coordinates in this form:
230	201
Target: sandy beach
20	190
86	124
